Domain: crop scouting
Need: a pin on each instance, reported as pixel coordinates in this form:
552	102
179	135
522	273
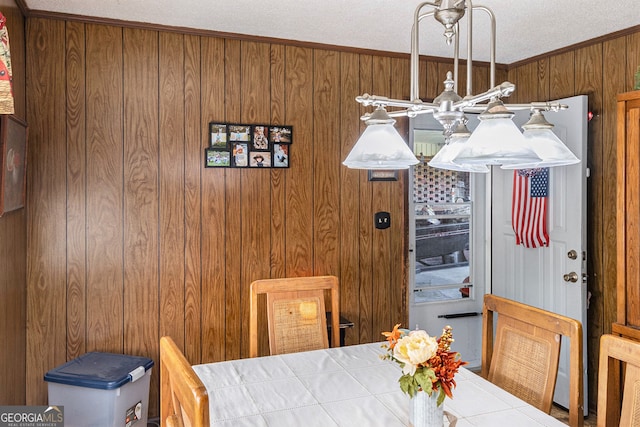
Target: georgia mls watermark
31	416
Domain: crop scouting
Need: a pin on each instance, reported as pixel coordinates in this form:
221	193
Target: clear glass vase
424	410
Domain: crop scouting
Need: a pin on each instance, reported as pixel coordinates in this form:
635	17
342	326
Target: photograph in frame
240	154
281	134
260	138
13	159
281	155
218	133
217	158
239	133
259	159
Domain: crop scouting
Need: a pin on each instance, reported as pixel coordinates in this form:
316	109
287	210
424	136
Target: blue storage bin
102	389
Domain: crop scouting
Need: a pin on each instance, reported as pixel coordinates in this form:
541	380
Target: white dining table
346	386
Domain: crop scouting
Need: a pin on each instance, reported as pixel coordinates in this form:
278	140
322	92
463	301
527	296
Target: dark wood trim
577	46
236	36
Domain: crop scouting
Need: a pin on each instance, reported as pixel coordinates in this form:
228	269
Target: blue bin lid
106	371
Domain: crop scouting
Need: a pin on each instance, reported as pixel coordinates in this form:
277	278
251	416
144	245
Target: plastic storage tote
102	389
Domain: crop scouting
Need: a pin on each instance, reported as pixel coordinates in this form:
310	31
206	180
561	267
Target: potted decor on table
428	370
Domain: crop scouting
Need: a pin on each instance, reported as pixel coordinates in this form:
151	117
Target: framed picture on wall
259	159
281	134
240	133
281	155
13	160
260	138
240	154
218	133
217	158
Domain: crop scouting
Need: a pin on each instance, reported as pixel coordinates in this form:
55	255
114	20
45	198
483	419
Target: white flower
413	349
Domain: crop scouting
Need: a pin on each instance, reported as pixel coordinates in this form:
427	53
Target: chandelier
495	141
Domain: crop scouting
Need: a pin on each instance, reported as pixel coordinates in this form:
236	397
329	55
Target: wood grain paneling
299	200
350	189
213	208
234	212
105	217
194	135
589	62
77	187
365	231
131	238
381	239
13	253
46	204
613	83
171	206
326	163
141	197
255	189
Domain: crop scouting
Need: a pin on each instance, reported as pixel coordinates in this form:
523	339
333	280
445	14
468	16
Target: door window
442	215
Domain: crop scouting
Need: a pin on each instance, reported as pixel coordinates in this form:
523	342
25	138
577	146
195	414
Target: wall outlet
382	220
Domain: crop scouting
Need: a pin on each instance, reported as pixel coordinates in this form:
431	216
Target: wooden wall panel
543	79
171	200
299	200
105	222
588	82
632	51
398	232
326	163
127	228
562	75
278	177
141	197
13	256
350	188
46	192
365	231
613	83
212	257
194	135
77	187
381	239
255	188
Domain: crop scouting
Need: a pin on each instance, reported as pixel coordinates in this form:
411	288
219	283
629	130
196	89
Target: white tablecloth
348	386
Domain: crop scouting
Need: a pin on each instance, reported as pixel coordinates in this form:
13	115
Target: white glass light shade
496	141
548	147
380	147
444	157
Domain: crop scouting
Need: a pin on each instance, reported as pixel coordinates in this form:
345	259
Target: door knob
571	277
572	254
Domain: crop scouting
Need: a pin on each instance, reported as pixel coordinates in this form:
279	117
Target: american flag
529	207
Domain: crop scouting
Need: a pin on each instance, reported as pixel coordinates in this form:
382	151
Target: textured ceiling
525	28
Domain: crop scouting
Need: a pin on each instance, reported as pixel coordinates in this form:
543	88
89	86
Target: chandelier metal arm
415	50
538	106
503	89
383	101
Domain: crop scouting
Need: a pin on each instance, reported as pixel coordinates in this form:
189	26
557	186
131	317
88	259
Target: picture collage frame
235	145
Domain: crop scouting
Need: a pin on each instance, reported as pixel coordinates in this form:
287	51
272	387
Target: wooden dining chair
183	398
616	351
523	358
296	315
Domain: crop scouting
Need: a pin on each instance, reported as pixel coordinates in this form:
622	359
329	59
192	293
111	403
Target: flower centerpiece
428	364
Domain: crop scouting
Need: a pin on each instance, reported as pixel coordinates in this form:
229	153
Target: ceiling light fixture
496	140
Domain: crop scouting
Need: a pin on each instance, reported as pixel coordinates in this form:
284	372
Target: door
551	277
447	244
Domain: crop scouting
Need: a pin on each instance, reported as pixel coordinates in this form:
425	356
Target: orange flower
393	336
